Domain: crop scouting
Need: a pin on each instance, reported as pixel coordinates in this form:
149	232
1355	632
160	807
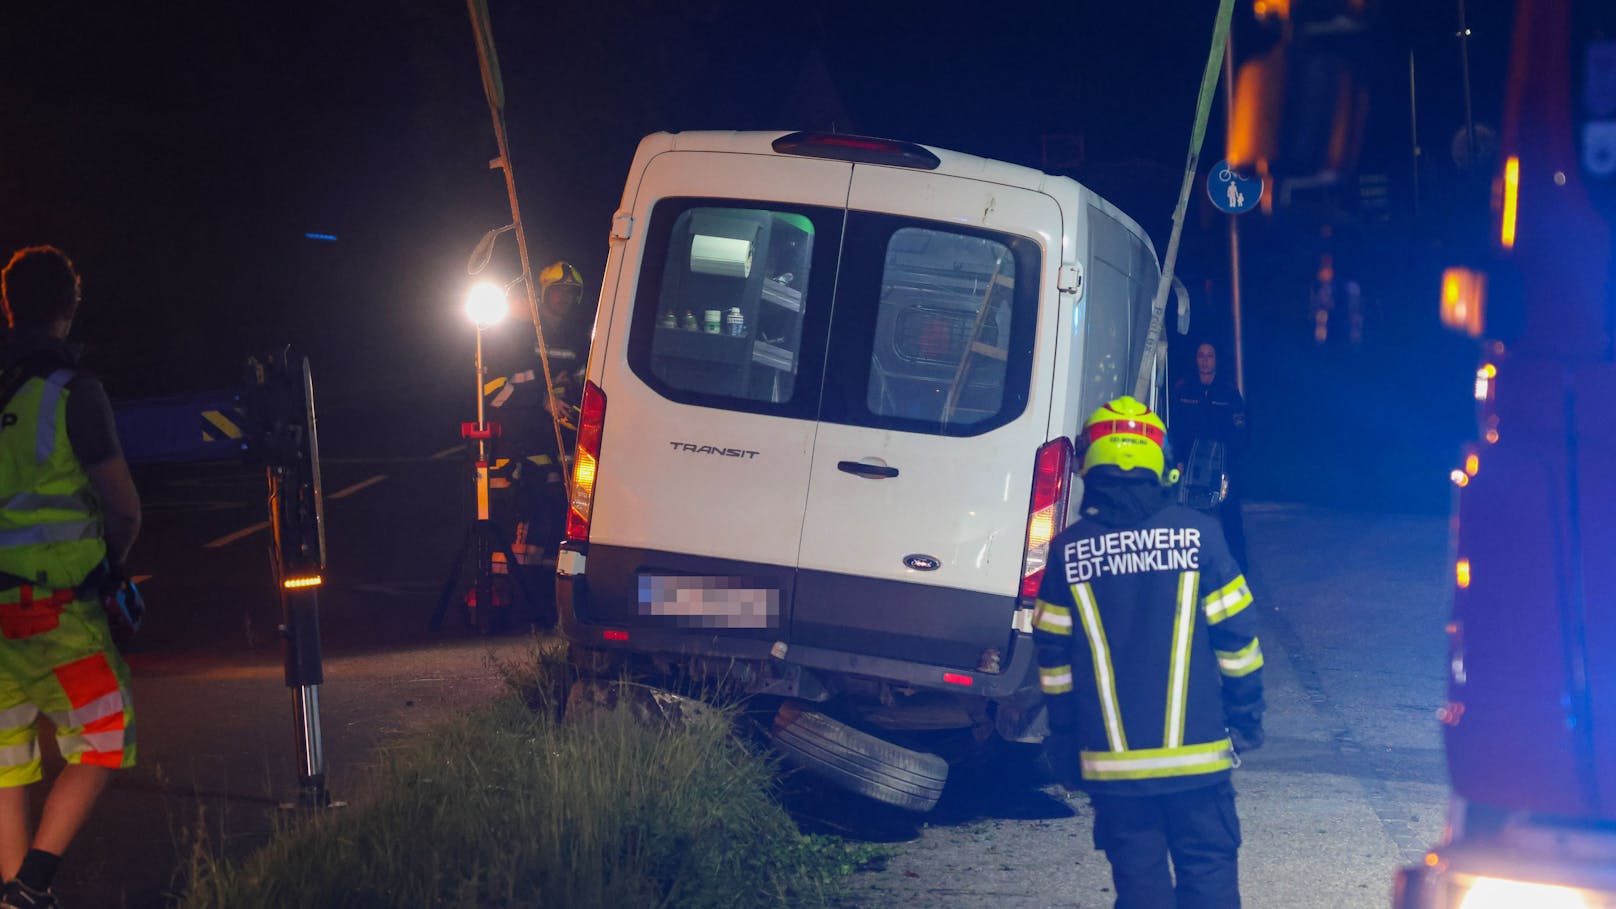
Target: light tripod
483	539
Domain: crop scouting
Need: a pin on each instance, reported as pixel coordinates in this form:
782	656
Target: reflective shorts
63	664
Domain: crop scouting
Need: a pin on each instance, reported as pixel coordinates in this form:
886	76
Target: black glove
1061	752
121	602
1245	729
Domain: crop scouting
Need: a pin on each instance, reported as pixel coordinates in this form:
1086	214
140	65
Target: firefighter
534	470
69	511
1151	671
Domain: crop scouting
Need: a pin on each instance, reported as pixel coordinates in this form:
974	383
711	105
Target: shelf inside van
781	295
773	357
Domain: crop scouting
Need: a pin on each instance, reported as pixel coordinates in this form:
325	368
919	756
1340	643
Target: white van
827	432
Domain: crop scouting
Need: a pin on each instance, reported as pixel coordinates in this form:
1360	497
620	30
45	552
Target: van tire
858	761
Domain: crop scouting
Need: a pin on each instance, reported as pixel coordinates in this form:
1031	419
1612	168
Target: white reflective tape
1242	662
1055	619
1166	762
1055	680
18	717
1230	601
90	741
50	400
104	706
19	755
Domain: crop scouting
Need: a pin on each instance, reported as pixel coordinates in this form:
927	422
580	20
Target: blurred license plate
697	601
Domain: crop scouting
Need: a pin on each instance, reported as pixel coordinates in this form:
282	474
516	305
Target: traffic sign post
1232	192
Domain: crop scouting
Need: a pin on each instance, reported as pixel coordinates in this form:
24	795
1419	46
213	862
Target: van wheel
857	760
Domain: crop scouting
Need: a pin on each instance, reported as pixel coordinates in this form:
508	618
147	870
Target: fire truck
1530	720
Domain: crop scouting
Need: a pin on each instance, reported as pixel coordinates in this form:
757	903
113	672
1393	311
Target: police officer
1151	671
1209	410
67	505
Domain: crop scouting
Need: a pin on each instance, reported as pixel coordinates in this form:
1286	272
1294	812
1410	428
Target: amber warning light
1464	300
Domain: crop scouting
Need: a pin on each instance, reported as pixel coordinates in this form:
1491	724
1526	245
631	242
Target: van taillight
1046	516
591	420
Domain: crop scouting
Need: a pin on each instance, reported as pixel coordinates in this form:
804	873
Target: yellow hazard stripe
1052	619
1244	661
1153	763
221	422
1055	679
1227	601
494	385
1104	678
1178	673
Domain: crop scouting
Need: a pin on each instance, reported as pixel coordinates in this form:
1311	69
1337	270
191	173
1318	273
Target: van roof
1068	192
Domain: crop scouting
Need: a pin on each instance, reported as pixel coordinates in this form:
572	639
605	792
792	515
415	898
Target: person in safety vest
68	515
1151	671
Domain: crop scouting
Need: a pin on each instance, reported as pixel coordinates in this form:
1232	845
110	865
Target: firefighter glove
1245	729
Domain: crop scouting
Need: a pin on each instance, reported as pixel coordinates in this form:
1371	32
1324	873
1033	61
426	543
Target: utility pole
1234	223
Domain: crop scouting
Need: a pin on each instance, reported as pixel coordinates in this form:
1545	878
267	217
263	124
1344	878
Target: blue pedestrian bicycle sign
1232	192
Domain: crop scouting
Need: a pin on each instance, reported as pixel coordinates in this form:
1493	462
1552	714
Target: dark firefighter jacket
1145	639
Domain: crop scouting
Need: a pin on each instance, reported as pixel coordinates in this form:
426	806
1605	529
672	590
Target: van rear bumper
573	602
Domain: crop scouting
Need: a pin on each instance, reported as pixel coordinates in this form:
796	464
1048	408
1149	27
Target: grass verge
507	807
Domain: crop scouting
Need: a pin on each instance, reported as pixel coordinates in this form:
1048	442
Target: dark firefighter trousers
1197	828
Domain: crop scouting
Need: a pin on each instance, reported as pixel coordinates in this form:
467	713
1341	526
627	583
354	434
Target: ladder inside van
975	346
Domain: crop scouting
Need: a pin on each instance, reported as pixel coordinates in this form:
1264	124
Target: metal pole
1414	132
310	748
482	551
1464	66
1234	226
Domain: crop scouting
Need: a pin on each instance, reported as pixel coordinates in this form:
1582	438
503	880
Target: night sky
180	152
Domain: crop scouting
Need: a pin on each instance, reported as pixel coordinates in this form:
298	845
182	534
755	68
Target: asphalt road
1350	784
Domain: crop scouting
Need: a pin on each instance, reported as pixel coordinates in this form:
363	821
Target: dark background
180	153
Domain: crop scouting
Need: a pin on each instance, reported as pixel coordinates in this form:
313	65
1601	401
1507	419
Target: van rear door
922	467
712	390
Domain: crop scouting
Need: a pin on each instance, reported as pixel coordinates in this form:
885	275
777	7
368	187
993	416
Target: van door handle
869	471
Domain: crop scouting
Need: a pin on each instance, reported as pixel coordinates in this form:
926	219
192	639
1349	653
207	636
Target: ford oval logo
922	562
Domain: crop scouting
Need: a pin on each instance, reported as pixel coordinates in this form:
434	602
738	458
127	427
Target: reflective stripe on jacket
1144	635
50	524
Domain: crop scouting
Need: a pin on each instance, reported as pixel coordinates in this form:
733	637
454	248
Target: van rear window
944	322
723	325
934	327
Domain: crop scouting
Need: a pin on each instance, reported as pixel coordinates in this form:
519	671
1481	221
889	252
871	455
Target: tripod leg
436	624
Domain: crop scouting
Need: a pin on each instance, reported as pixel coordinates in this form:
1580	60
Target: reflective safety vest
50	523
1144	637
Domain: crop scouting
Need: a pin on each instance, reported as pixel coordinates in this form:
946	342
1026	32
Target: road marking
453	449
229	538
344	493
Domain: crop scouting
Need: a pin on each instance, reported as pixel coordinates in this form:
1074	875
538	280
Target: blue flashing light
324	238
